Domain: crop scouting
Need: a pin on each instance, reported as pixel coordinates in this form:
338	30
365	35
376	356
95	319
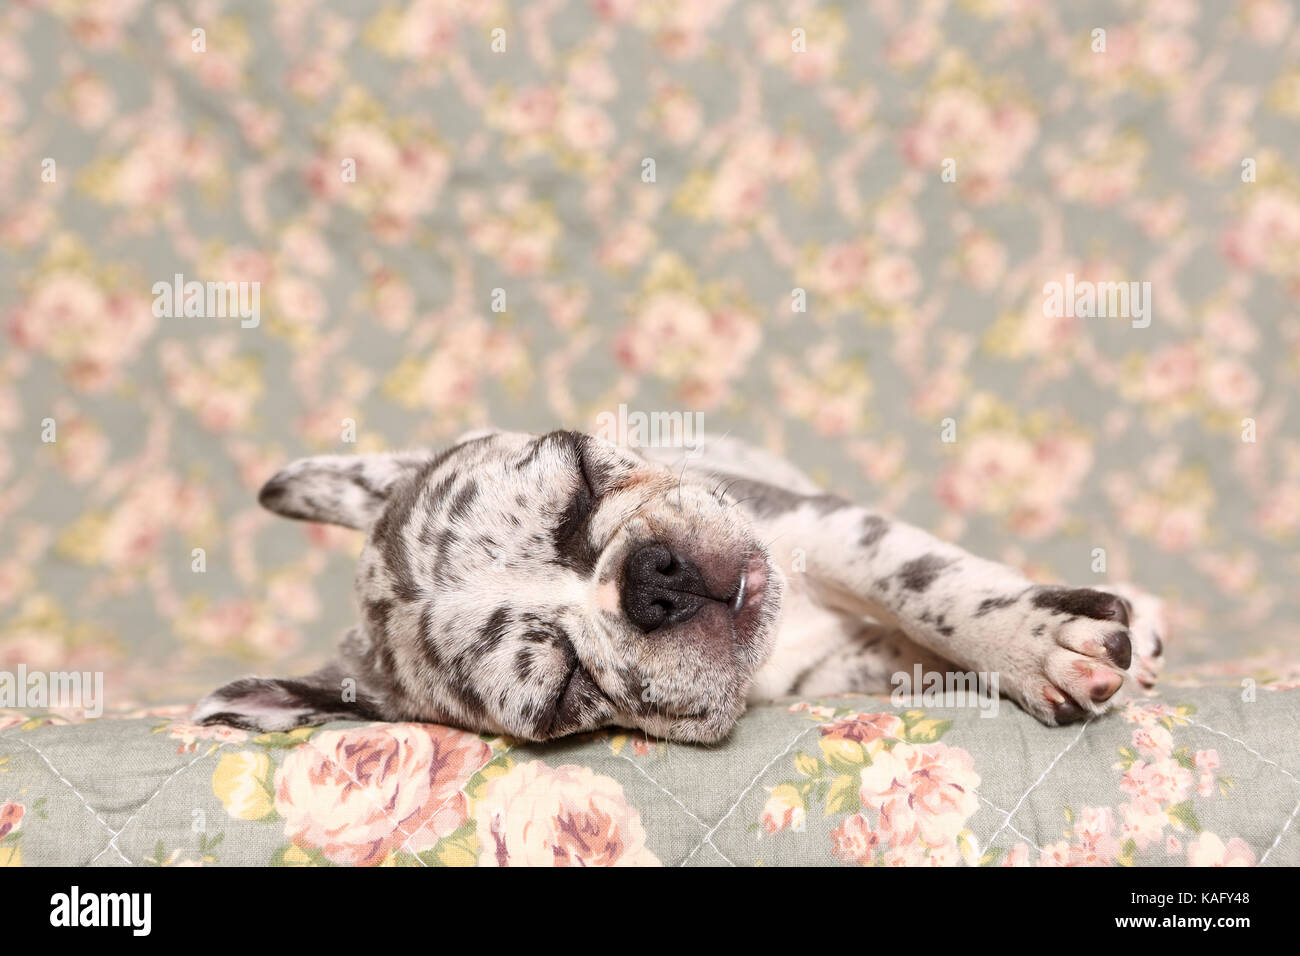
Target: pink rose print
563	816
784	810
924	793
1093	845
359	795
853	841
864	728
11	815
1210	850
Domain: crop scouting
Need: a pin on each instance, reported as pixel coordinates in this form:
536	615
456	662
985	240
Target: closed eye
579	506
573	548
581	449
584	472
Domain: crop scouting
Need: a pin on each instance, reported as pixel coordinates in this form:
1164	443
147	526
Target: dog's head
532	586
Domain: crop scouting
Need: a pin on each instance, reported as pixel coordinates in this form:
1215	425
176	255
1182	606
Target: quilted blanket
1206	775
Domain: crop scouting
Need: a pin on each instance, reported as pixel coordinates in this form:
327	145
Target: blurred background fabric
562	206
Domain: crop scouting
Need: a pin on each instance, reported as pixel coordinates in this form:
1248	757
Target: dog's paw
1070	652
1148	629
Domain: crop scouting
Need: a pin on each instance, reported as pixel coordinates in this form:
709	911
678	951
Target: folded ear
348	490
265	704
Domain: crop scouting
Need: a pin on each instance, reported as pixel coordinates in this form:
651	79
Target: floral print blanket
1205	775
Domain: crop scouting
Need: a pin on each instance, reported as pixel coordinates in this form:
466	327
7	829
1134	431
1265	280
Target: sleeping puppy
539	586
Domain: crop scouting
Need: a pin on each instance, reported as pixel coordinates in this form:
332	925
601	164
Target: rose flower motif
921	791
359	795
11	815
563	816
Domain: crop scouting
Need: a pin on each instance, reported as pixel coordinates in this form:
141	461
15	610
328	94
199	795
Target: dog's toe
1148	631
1104	640
1089	681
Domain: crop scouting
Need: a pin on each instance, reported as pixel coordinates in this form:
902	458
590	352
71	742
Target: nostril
658	565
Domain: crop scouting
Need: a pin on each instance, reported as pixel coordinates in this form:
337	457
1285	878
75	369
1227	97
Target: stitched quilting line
1033	786
84	802
1007	815
686	810
1280	834
1272	763
708	837
114	834
112	843
1007	825
1247	747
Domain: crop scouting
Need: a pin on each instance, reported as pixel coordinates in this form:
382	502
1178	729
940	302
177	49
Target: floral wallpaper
828	228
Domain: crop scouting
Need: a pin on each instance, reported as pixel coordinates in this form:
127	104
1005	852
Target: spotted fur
509	584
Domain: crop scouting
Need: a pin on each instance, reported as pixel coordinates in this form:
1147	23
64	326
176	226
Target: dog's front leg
1061	653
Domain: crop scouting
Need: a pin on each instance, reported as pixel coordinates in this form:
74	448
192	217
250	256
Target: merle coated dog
539	586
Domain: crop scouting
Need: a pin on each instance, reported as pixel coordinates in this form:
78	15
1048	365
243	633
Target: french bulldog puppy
539	586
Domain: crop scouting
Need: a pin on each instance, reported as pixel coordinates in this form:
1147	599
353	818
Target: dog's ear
348	490
264	704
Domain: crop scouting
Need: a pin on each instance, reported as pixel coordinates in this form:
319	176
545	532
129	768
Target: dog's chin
709	729
750	623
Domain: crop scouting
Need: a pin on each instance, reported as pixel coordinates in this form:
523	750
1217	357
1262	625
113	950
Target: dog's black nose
661	588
